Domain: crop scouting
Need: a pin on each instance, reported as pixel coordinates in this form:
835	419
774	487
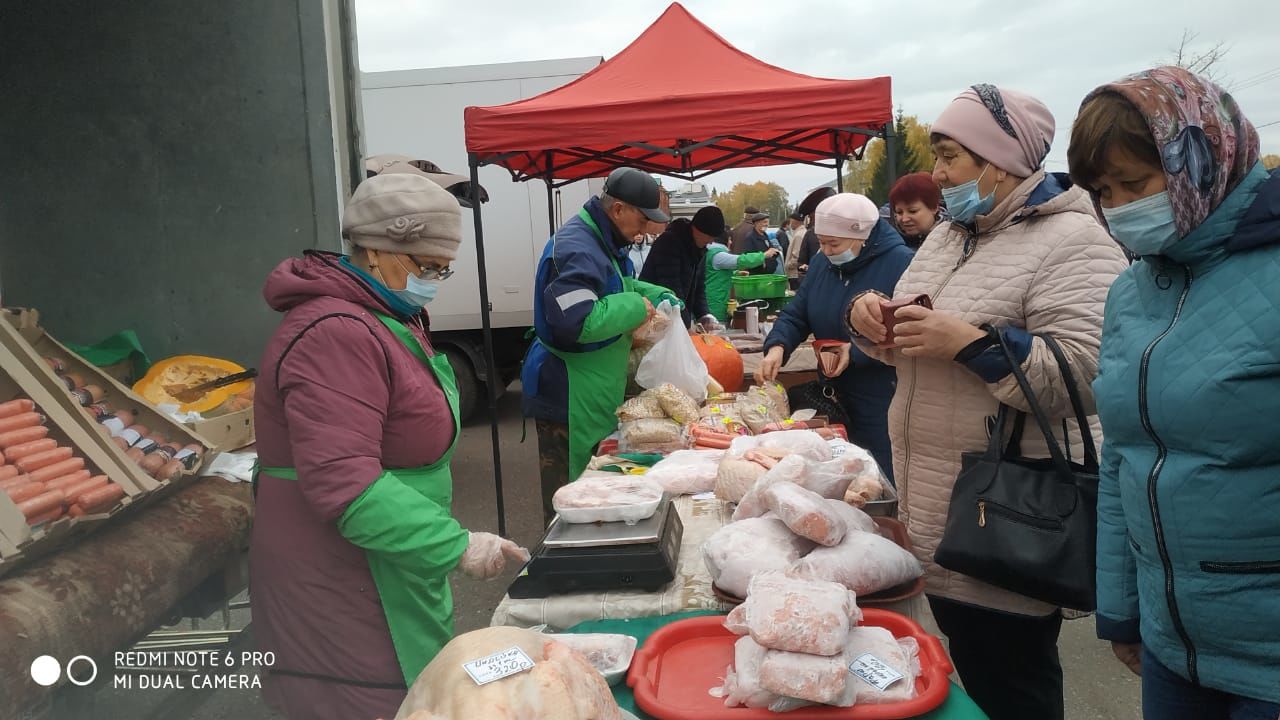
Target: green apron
720	282
419	609
597	382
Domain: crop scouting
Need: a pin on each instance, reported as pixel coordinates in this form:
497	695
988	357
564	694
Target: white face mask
842	257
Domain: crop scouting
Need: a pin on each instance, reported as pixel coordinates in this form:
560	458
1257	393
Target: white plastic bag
673	359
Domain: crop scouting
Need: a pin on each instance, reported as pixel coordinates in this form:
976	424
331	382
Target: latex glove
1130	654
770	365
671	298
487	555
922	332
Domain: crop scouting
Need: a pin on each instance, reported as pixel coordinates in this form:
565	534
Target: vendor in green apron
721	266
585	306
357	419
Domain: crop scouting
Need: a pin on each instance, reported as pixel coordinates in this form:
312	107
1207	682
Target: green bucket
759	287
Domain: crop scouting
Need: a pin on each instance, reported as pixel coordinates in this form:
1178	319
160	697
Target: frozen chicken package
739	550
622	498
796	614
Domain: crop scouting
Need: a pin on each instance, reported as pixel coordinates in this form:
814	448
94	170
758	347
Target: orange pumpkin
723	361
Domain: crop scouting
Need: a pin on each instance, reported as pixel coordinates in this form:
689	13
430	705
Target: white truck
418	113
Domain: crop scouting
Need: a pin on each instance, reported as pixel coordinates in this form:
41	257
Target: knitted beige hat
404	213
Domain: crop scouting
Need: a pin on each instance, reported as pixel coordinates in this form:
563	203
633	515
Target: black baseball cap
637	188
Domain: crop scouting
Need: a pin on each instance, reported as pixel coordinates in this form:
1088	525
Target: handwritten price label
502	664
874	671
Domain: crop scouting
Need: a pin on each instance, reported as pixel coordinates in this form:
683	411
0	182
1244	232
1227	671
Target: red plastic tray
680	663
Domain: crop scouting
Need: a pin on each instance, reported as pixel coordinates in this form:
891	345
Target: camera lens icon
46	670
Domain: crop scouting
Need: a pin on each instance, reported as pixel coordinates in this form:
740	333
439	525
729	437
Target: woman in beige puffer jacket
1025	253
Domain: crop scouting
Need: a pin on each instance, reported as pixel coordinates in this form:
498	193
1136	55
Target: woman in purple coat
357	417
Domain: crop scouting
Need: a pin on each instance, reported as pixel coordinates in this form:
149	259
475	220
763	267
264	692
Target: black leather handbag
1027	524
819	396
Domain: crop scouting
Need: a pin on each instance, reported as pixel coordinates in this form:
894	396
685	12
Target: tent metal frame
729	157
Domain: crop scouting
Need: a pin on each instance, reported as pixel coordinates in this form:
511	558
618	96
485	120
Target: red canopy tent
679	101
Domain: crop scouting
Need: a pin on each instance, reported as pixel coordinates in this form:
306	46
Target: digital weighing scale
597	557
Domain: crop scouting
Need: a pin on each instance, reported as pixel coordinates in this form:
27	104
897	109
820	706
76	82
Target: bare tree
1201	62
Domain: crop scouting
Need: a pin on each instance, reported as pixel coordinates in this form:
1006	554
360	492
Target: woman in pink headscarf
1023	257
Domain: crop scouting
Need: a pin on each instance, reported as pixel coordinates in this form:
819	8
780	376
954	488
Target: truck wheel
469	388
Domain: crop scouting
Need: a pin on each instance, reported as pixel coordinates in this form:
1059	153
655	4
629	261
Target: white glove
487	554
710	323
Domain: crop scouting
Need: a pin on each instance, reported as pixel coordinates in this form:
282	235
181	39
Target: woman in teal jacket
1188	391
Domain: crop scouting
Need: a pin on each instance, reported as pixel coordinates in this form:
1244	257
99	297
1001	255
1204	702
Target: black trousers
1009	663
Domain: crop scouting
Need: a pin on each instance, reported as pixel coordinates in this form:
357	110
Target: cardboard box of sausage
158	453
57	482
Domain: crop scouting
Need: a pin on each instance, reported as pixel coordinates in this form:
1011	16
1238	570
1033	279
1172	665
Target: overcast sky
933	49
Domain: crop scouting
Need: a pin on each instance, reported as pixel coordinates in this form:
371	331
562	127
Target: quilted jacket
1189	494
1040	262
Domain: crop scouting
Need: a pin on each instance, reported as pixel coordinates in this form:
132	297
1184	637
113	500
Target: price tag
498	665
838	447
874	671
705	496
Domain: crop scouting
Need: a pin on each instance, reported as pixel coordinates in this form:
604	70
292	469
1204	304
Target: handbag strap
1077	405
1042	419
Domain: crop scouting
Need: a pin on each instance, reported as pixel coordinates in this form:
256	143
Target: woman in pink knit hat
1023	257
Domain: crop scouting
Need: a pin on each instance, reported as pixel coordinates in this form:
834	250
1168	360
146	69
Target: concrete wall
157	159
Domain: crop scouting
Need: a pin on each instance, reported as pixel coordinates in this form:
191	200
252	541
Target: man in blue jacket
585	306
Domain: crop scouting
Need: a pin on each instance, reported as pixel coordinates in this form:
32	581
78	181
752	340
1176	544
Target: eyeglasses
432	271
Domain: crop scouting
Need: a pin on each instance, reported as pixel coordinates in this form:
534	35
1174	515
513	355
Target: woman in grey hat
357	417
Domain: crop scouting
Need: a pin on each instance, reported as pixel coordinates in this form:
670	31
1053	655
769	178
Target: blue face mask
841	258
1144	226
418	292
963	201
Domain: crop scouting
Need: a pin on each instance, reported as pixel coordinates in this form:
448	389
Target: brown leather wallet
889	308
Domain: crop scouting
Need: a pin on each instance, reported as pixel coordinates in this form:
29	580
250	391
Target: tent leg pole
491	361
551	210
839	174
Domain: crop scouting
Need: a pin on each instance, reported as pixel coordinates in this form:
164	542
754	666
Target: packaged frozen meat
735	477
797	614
816	678
854	519
549	676
687	472
609	654
622	498
806	513
883	669
742	679
739	550
793	442
864	562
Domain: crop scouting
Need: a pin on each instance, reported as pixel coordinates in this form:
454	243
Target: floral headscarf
1206	144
